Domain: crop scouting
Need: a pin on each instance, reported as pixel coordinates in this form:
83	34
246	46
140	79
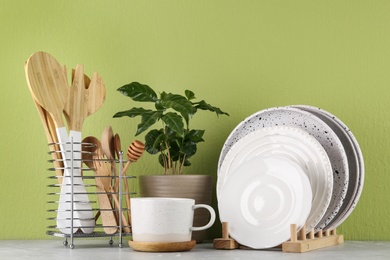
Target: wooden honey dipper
134	152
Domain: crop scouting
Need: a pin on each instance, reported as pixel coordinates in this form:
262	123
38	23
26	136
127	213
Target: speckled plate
355	163
295	117
290	143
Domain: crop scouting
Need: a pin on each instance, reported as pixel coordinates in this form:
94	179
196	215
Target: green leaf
179	104
164	95
172	135
154	141
133	112
188	148
174	151
148	119
174	122
195	135
204	106
138	92
158	105
187	163
189	94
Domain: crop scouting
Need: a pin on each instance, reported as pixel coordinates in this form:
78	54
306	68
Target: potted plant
173	140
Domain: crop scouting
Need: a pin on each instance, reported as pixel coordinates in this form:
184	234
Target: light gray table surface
100	249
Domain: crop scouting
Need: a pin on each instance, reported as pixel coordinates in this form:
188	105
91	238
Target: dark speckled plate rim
356	178
352	164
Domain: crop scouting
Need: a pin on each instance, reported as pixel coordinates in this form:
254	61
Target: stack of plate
287	165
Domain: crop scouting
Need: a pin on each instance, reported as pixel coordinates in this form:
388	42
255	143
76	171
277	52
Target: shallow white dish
295	117
291	143
355	162
261	198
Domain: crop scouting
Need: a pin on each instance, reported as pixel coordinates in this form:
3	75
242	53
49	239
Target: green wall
242	56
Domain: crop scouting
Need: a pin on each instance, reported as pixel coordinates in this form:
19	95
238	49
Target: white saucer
295	145
261	198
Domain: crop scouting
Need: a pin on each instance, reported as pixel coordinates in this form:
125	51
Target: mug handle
212	216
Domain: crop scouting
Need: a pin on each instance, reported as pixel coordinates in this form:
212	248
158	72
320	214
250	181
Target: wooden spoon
49	88
48	84
108	146
52	140
91	153
117	145
109	150
90	144
51	137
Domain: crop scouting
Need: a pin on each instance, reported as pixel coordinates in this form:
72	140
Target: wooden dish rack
299	242
90	185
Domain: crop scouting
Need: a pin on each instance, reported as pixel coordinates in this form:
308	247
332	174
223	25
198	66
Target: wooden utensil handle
51	137
125	224
108	218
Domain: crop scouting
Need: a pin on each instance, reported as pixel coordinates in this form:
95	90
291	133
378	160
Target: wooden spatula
102	172
91	148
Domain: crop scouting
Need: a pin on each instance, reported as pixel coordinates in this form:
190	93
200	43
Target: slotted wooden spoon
84	100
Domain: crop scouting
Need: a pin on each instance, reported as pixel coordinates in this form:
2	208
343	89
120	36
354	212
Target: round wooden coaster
162	246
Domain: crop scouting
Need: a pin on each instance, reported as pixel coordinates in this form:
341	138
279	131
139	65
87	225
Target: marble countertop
100	249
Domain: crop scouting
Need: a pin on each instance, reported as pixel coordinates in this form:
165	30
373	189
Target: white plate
291	143
261	198
295	117
355	162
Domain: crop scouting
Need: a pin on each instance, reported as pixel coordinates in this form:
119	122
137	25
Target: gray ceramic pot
197	187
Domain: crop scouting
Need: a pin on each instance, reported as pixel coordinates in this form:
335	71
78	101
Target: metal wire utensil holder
53	229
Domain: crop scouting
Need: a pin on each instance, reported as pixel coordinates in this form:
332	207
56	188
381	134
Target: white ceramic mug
165	219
